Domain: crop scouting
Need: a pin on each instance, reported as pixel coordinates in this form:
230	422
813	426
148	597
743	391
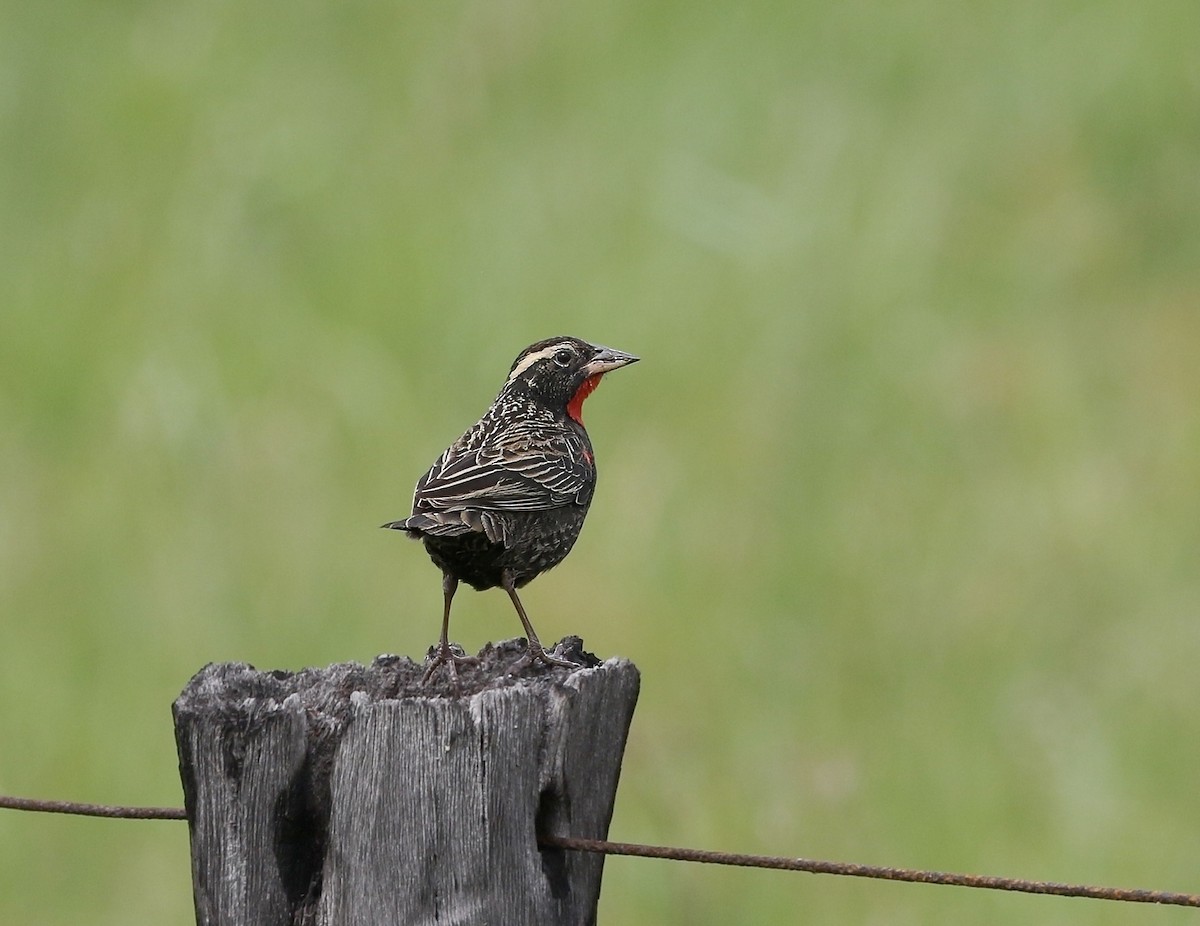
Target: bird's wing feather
521	468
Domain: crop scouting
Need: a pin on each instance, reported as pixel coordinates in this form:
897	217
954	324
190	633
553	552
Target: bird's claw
450	655
536	653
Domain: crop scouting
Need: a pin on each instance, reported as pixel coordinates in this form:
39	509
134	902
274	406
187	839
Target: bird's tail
413	526
429	525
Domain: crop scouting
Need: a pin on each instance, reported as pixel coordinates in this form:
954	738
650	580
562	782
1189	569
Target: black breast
536	541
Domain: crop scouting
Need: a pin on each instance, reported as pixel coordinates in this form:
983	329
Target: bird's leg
445	655
536	653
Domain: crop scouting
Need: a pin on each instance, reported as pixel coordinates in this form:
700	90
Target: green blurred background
899	516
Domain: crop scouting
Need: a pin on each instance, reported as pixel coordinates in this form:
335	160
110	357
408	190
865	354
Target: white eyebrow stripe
529	361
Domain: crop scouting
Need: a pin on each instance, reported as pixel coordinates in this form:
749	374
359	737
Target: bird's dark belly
537	541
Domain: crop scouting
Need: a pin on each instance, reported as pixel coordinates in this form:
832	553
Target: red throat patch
575	406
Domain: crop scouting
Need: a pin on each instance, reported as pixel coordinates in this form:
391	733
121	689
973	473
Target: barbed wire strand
774	862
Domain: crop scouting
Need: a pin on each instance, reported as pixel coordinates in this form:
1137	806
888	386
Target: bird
507	500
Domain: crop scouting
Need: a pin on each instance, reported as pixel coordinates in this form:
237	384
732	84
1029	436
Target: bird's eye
563	357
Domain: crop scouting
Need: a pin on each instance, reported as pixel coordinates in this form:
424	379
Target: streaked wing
522	469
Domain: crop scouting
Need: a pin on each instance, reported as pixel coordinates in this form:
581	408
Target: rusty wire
852	869
92	810
778	863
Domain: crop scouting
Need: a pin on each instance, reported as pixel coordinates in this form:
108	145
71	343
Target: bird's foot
450	655
535	653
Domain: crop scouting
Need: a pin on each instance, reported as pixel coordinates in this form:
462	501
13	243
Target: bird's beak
606	358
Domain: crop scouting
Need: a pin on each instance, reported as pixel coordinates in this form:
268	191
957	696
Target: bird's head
561	372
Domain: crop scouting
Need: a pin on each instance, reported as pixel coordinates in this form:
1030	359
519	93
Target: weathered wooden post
357	795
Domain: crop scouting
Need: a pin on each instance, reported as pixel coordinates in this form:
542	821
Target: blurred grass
899	517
